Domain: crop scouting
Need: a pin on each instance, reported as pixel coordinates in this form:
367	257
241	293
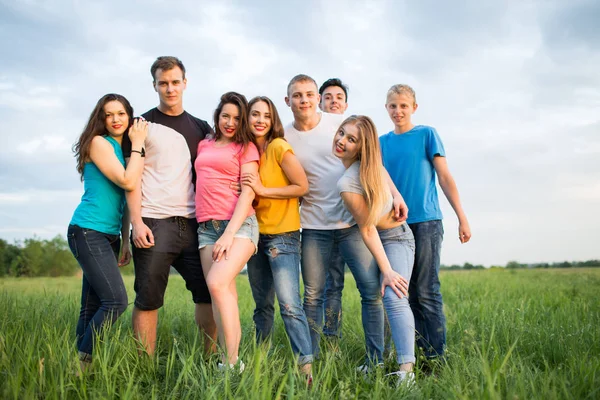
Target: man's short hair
300	78
166	63
334	82
402	89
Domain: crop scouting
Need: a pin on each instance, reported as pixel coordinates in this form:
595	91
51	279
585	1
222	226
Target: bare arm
357	205
295	173
240	213
142	235
400	208
104	157
450	190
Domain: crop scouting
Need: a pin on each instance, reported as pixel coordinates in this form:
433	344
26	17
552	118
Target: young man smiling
334	98
163	209
330	236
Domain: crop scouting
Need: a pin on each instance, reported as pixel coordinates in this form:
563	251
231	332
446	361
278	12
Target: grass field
512	334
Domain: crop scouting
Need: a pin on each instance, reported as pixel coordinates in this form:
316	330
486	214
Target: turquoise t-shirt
102	203
408	158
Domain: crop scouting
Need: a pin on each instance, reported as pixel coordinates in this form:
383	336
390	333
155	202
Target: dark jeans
334	285
275	269
103	294
425	297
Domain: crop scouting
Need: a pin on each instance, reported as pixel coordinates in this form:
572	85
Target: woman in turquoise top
93	233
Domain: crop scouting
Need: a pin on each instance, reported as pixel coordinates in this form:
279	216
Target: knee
392	301
216	286
289	309
116	306
313	294
371	294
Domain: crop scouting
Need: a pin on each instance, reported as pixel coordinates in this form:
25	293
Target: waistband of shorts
171	219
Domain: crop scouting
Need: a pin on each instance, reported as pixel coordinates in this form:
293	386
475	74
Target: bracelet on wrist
140	152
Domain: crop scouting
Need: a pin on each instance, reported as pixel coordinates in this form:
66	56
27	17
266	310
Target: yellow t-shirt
276	215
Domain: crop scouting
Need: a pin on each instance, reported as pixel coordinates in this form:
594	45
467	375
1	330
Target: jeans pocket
201	227
72	244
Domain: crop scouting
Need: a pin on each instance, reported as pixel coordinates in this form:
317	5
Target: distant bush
37	257
516	265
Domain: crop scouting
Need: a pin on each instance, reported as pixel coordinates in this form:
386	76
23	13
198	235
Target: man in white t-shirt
329	233
334	100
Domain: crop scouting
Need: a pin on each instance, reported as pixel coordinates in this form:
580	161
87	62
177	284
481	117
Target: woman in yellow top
275	269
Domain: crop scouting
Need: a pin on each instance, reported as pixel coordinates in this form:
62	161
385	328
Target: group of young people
312	197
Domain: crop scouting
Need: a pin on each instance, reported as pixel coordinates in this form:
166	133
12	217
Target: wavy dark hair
242	134
276	130
96	126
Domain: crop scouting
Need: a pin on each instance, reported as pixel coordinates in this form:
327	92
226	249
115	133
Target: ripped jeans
275	270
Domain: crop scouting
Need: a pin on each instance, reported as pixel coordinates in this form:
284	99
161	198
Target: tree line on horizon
51	257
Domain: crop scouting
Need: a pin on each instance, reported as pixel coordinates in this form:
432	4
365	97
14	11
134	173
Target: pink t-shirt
216	167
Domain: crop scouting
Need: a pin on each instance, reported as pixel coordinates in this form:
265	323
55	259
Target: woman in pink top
228	230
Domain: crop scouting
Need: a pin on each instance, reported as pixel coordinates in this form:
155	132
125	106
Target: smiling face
116	119
170	85
303	98
400	108
229	120
260	119
347	142
333	100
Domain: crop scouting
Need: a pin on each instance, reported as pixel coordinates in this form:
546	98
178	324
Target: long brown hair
242	134
276	130
371	166
96	125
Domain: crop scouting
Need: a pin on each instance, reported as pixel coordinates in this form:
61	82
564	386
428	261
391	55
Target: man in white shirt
334	100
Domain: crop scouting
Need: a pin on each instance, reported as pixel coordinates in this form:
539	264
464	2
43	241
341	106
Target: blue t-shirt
408	158
101	207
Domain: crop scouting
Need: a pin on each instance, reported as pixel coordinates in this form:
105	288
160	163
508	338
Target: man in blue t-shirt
413	155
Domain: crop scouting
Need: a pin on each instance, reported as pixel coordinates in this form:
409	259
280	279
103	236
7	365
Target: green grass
512	334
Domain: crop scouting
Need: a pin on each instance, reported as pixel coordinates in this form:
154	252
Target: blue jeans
103	294
399	246
320	249
334	285
425	297
275	269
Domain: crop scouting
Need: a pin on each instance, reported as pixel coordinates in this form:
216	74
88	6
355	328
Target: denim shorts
210	231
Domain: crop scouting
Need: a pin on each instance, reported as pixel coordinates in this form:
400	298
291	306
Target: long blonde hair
371	166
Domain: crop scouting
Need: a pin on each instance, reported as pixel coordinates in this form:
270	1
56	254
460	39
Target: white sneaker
366	369
237	367
404	378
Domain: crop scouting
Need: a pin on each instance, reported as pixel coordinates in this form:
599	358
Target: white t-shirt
322	206
350	182
167	187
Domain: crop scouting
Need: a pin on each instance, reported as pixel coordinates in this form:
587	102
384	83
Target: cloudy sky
512	86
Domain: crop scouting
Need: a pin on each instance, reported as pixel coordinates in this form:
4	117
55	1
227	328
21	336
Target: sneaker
366	369
309	381
403	378
237	367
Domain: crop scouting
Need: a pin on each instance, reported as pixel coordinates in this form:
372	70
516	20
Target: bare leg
207	327
408	367
221	283
144	328
206	260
